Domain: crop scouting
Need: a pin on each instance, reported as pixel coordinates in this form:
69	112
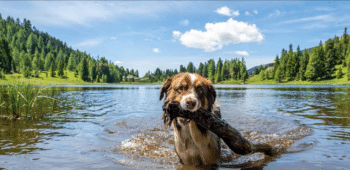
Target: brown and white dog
194	145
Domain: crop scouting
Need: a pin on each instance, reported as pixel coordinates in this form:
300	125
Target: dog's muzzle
190	102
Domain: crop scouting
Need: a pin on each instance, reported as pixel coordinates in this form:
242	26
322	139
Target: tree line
313	64
26	50
233	69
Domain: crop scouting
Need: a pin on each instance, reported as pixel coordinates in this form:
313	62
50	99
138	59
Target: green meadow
44	79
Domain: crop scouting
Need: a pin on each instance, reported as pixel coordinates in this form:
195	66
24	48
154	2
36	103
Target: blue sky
145	35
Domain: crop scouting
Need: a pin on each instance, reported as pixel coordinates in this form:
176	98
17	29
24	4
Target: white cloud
219	34
113	38
247	13
117	62
185	22
88	43
255	12
176	34
315	18
276	13
235	13
227	11
242	53
156	50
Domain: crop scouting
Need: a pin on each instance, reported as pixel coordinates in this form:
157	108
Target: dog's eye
180	89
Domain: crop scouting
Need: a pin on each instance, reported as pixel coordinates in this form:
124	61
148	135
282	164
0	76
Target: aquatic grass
22	100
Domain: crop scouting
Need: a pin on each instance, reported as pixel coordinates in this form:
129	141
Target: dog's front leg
207	142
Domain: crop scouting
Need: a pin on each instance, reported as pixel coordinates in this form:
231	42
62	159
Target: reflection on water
120	127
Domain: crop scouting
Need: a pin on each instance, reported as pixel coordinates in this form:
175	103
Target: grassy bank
69	80
255	79
72	80
43	79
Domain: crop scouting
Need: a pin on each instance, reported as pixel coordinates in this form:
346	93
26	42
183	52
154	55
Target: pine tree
26	65
200	69
262	75
84	71
40	43
346	42
293	63
97	78
60	72
49	61
49	45
205	70
211	70
315	66
330	59
52	71
321	57
225	71
278	76
5	56
36	60
275	66
218	76
92	68
182	69
190	68
340	73
71	62
244	77
35	63
243	69
283	66
42	60
31	43
176	72
304	60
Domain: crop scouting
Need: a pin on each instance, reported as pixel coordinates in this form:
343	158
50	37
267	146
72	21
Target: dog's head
191	90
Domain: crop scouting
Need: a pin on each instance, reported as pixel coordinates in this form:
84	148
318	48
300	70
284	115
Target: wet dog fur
194	144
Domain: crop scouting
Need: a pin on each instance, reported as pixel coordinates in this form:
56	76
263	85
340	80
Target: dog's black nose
190	104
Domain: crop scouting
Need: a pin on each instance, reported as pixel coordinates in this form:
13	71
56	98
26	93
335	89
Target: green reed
22	100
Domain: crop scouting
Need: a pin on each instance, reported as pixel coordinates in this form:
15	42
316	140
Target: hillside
26	50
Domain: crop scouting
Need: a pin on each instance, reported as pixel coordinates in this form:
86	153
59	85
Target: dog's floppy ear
211	96
165	87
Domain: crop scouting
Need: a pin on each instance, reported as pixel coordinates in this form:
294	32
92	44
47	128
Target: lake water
120	127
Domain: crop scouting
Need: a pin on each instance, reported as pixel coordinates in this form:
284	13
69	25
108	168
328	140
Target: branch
234	139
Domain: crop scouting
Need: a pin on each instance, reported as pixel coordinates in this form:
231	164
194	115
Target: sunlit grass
45	80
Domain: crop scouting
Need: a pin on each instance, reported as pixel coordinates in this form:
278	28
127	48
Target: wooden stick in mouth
234	139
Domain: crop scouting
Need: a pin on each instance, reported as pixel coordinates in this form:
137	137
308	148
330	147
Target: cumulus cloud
185	22
113	38
219	34
156	50
255	12
176	34
117	62
227	11
247	13
242	53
